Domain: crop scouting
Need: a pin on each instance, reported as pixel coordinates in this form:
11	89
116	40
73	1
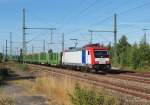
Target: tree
144	53
110	50
1	57
135	58
122	51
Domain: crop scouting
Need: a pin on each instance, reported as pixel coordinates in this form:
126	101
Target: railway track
90	78
130	73
131	78
140	74
126	75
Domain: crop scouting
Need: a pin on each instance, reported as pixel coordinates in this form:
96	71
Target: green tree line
135	56
1	57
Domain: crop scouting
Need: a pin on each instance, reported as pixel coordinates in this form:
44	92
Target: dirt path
18	87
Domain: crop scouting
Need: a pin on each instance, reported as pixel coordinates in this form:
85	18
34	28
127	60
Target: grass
83	96
64	91
140	70
6	100
55	89
26	84
23	67
16	66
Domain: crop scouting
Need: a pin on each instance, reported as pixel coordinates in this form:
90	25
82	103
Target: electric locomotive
91	57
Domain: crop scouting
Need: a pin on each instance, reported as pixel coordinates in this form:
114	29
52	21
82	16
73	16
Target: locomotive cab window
99	54
88	53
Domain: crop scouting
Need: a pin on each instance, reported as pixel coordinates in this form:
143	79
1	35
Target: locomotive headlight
107	62
97	62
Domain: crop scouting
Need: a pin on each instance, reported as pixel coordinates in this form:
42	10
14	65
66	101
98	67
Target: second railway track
90	78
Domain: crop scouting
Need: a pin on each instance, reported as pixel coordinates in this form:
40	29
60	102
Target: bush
3	73
23	67
132	56
1	57
89	97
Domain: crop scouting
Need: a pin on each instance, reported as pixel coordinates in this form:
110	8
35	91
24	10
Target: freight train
89	57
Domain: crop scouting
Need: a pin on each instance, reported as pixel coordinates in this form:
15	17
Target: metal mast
63	42
44	46
24	34
10	45
6	52
115	35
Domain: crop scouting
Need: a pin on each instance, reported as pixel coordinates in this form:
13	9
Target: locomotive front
100	57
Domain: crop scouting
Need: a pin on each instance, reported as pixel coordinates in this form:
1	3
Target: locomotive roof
89	46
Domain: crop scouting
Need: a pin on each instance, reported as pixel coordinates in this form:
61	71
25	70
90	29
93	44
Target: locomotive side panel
72	58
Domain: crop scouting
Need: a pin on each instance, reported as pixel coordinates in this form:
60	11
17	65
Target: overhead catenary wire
128	10
39	19
103	20
102	6
119	13
81	12
131	9
123	12
69	12
120	5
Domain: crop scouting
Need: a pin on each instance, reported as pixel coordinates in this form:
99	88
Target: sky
73	18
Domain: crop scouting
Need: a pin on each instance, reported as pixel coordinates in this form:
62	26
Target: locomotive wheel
96	71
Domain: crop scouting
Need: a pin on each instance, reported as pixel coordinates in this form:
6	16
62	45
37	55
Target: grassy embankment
65	91
16	66
140	70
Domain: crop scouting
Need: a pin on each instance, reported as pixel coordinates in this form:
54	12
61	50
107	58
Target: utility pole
10	45
24	50
32	49
114	32
3	53
3	50
44	46
51	29
24	35
115	35
6	52
63	42
51	39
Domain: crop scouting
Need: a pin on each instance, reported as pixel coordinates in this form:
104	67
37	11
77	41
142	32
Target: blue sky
73	18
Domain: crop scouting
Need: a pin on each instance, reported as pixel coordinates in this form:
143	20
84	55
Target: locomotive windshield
99	54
